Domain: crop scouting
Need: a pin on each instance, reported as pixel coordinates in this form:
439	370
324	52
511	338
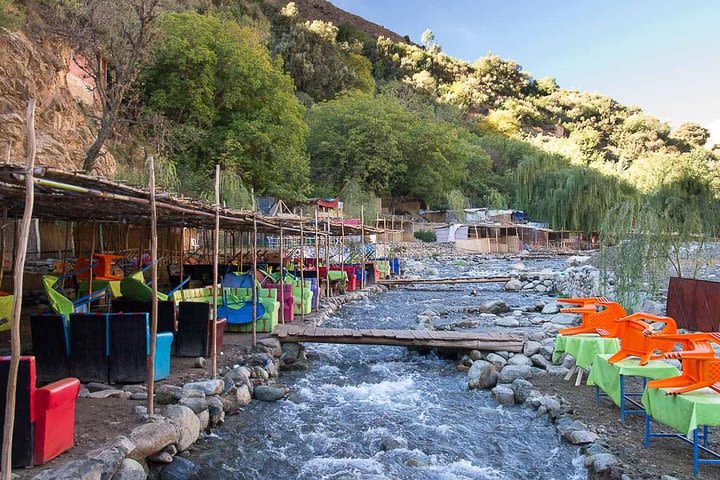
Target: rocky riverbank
156	445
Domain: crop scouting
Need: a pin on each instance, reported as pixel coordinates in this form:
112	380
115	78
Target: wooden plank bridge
395	282
488	341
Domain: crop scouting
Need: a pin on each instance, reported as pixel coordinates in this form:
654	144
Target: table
584	348
690	414
610	378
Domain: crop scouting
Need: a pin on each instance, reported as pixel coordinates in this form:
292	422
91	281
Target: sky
662	55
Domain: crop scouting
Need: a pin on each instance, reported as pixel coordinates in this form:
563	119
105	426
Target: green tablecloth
607	376
337	275
684	412
584	347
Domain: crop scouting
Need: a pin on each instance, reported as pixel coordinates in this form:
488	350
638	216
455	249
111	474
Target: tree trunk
102	135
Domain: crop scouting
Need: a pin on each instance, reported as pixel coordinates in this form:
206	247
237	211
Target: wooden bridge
488	341
396	282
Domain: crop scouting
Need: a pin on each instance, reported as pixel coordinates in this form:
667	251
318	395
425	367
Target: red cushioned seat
46	415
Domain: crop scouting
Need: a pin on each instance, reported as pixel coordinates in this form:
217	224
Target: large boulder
168	394
495	307
503	395
531	348
180	469
273	344
215	408
81	469
565	319
550	308
482	375
507	322
497	361
270	393
112	454
130	470
152	437
511	372
208	387
195	404
514	285
186	423
522	389
519	359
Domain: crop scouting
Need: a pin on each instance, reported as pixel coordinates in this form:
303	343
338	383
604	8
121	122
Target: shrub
426	236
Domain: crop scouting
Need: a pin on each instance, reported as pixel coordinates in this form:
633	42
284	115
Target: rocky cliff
40	69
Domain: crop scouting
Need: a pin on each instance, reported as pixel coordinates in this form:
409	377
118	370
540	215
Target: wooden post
317	262
280	281
182	255
3	245
302	271
362	246
327	256
92	255
242	252
216	253
254	282
153	278
342	246
19	270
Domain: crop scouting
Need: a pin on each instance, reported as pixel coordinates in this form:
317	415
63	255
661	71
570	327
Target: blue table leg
696	467
622	398
647	431
705	435
597	395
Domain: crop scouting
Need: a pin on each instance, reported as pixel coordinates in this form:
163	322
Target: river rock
497	361
511	372
507	322
109	393
81	469
391	442
568	362
180	469
565	319
521	389
197	405
200	362
160	457
216	411
550	308
503	395
495	307
130	470
519	359
273	344
112	453
514	285
476	355
539	361
135	388
238	376
208	387
271	393
482	375
652	307
186	424
204	419
531	348
552	328
600	462
579	437
168	394
152	437
97	386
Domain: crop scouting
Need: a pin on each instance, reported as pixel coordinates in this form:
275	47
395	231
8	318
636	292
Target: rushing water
375	412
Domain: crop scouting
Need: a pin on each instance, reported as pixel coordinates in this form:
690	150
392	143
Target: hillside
327	12
304	99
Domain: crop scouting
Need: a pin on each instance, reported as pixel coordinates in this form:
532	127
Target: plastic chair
598	315
700	366
637	338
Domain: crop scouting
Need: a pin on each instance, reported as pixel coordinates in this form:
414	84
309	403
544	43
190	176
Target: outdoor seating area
95	322
627	357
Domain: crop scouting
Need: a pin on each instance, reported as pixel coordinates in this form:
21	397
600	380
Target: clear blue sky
663	55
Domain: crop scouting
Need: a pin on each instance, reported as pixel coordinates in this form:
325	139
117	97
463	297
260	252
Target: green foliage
225	100
458	202
692	134
427	236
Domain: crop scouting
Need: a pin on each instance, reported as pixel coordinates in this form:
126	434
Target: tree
226	100
693	134
112	40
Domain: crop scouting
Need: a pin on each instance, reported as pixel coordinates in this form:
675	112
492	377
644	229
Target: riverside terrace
79	199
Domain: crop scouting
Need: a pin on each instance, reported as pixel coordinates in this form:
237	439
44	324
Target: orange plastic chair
700	366
637	338
597	314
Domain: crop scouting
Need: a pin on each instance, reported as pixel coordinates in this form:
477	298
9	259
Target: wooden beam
443	281
19	270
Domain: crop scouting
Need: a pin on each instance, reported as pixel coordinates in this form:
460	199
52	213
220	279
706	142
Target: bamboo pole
154	284
280	277
302	272
317	262
254	282
182	255
216	253
19	270
362	246
327	259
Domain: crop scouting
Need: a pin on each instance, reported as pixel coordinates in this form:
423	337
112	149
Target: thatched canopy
72	196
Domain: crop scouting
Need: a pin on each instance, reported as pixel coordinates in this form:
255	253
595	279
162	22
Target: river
375	412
